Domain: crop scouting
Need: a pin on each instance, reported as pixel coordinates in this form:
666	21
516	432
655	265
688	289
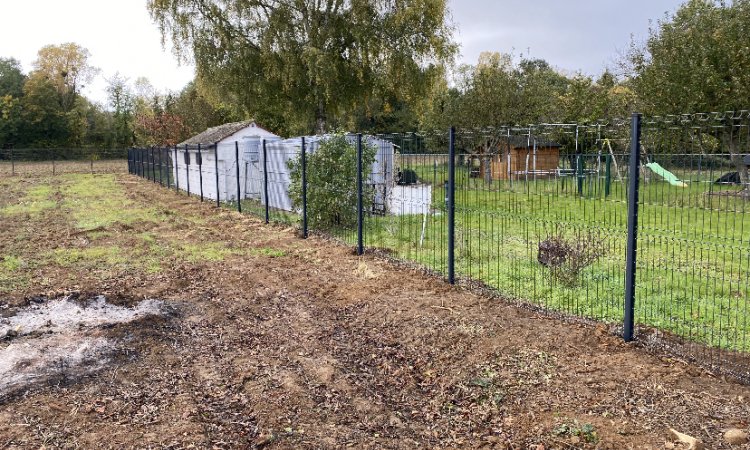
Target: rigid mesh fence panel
407	219
279	166
193	170
62	160
255	177
693	253
541	215
252	176
332	185
232	174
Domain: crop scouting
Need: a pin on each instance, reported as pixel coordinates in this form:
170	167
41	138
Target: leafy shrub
567	258
332	182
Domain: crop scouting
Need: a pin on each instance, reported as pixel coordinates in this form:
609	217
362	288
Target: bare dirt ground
280	343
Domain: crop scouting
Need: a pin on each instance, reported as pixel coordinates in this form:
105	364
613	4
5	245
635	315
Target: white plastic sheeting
280	152
411	199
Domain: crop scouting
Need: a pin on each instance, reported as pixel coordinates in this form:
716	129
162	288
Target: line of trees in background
380	65
303	66
46	108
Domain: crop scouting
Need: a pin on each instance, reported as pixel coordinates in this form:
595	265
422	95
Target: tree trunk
320	118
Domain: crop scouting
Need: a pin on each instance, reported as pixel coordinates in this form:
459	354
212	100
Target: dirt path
304	345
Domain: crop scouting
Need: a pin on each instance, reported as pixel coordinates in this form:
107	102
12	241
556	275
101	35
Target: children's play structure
668	176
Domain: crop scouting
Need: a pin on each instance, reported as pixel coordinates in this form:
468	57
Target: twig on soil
90	230
578	349
444	308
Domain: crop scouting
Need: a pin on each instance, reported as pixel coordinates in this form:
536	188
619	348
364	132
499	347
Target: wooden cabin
519	157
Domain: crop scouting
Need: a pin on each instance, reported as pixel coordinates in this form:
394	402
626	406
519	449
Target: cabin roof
217	133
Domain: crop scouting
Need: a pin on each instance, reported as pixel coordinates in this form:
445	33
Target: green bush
332	183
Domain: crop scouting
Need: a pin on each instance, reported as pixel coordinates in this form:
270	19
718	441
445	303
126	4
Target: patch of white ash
61	339
63	314
28	361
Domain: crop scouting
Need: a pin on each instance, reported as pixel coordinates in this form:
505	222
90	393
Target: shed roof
315	139
216	134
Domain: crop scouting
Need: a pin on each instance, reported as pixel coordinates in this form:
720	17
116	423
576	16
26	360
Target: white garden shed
196	158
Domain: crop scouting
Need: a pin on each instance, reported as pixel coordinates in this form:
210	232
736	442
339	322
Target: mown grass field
106	234
44	168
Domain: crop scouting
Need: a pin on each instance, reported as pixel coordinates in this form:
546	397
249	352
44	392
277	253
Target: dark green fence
54	161
648	235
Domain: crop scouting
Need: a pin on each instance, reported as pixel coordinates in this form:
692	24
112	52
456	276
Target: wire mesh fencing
54	161
692	263
639	224
541	217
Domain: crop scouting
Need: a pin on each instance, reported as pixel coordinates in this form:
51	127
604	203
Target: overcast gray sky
572	35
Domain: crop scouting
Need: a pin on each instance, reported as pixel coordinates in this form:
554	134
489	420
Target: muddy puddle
62	339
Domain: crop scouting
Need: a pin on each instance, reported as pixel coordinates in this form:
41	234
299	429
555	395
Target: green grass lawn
86	230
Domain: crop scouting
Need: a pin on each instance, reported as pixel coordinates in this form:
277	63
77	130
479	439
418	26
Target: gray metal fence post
187	168
176	172
237	160
452	206
360	203
161	173
579	173
630	263
608	175
12	163
216	172
165	153
199	157
304	189
265	178
153	164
